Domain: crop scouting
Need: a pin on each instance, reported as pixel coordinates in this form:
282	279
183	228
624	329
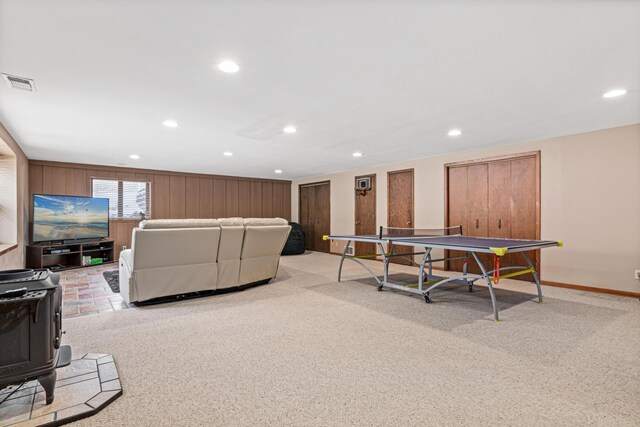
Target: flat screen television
69	217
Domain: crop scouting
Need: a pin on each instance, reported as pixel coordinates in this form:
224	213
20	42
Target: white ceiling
387	78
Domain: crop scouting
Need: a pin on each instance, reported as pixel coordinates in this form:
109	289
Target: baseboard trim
563	285
591	289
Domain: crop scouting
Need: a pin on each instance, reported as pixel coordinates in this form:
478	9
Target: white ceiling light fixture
228	67
455	132
278	171
614	93
227	153
134	157
170	124
289	129
357	154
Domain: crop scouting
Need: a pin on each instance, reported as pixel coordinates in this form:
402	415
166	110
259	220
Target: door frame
413	199
487	160
315	184
375	204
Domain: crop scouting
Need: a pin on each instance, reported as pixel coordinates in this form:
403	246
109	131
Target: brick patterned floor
87	292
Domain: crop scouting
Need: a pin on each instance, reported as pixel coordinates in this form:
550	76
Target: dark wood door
524	208
314	215
400	206
366	217
477	202
458	210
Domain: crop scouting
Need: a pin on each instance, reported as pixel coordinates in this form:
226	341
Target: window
127	199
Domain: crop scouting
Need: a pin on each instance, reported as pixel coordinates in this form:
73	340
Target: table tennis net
408	233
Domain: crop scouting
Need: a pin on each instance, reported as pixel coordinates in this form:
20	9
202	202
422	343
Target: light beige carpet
306	350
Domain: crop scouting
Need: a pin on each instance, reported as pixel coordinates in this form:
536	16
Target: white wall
590	199
8	200
17	176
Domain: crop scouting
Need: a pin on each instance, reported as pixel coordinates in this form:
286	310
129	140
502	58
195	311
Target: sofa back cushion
178	223
231	238
265	222
261	252
231	222
168	247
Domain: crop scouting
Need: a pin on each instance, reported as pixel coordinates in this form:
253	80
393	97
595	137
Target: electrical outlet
637	274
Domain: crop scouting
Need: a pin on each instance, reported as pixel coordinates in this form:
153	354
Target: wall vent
350	250
21	83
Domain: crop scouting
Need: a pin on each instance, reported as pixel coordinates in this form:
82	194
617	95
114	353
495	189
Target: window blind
127	199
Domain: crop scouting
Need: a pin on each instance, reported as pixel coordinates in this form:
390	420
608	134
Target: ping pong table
449	238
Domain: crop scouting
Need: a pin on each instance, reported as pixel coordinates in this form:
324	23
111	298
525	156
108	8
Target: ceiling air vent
20	82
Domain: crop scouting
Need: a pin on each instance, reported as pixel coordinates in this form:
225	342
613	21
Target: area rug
113	280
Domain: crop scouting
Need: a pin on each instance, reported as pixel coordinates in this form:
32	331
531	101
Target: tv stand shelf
64	256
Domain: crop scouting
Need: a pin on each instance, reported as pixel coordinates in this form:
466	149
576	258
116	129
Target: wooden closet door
499	222
322	217
366	217
400	206
524	208
501	199
478	219
315	215
457	208
306	221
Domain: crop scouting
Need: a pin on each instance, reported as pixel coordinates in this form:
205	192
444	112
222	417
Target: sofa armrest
125	269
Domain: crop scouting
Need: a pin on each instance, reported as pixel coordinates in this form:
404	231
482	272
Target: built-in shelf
61	253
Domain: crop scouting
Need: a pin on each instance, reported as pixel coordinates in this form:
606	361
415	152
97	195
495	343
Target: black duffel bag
296	243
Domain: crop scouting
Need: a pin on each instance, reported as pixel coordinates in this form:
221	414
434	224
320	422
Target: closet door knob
477	223
499	223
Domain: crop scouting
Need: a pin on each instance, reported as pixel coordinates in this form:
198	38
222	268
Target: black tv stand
63	256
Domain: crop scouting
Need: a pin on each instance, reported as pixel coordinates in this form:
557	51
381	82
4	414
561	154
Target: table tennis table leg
385	264
535	275
486	276
344	254
426	258
465	268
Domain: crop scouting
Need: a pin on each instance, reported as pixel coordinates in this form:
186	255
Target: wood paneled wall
173	194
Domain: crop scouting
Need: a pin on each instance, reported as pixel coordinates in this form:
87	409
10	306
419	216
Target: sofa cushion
231	222
179	223
174	247
265	221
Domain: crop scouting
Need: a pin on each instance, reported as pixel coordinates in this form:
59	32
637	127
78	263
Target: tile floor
87	292
83	388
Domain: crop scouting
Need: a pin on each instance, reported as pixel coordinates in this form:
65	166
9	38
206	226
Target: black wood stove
31	328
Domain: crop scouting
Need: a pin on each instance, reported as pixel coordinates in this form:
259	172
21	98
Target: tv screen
69	217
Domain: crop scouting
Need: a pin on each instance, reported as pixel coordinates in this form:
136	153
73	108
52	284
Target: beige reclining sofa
180	256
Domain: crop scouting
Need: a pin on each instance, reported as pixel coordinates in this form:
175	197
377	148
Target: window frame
120	202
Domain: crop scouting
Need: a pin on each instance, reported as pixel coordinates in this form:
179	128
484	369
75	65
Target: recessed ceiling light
289	129
357	154
134	157
228	67
455	132
170	124
613	93
227	153
277	171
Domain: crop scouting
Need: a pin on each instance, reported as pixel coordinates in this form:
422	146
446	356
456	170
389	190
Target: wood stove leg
48	383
